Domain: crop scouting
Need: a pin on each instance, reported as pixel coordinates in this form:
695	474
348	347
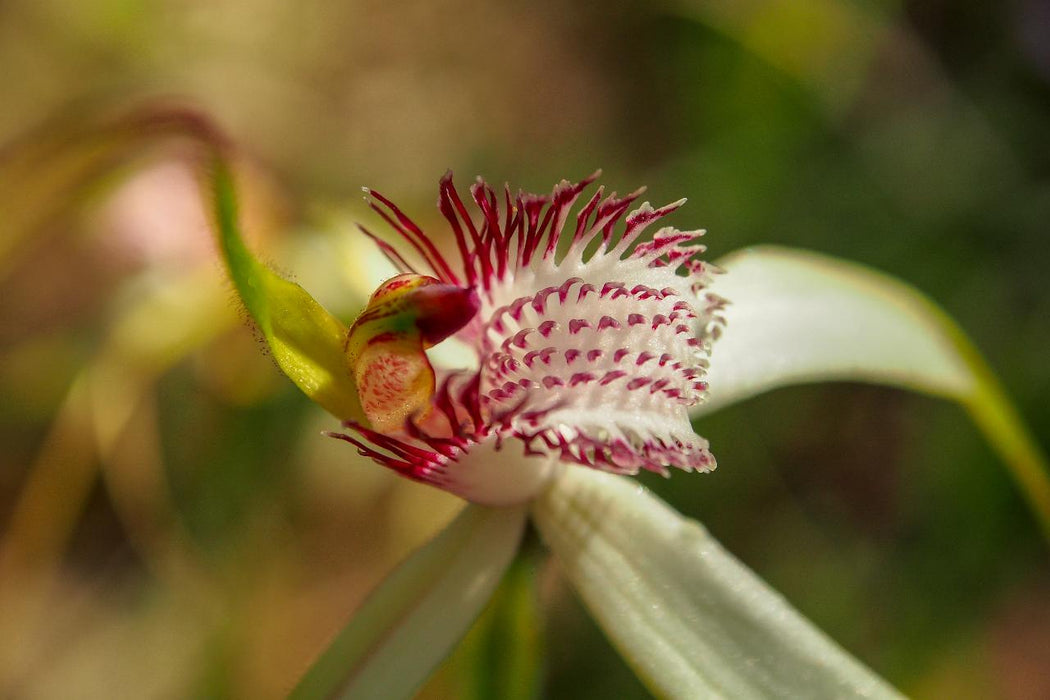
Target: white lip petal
499	473
796	316
614	365
589	346
688	617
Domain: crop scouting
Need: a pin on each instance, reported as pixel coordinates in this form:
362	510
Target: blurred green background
174	525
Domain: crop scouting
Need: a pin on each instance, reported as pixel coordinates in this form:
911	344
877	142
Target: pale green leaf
412	621
796	316
688	617
306	341
502	657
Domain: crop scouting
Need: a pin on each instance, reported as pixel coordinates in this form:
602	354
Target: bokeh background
173	523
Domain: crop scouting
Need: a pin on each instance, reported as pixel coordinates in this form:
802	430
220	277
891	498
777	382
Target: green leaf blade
412	621
688	617
502	657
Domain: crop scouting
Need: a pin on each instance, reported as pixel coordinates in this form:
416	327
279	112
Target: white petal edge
796	316
420	612
688	617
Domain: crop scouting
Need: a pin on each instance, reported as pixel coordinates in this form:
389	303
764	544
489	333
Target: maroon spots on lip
539	301
519	338
563	290
581	378
578	324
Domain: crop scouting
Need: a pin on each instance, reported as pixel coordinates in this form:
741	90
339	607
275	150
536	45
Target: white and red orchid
589	345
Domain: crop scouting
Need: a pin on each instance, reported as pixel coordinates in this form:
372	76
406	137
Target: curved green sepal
306	340
691	620
415	617
796	316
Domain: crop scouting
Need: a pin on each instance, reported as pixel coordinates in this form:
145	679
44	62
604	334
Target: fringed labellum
591	344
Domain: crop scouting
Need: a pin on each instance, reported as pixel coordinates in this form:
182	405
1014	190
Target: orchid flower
588	345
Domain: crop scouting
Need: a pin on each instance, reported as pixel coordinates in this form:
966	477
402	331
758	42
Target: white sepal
796	316
688	617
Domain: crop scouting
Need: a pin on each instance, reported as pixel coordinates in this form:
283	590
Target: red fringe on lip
531	224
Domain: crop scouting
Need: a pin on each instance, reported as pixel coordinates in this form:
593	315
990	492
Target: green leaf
796	316
501	657
690	619
306	341
412	621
